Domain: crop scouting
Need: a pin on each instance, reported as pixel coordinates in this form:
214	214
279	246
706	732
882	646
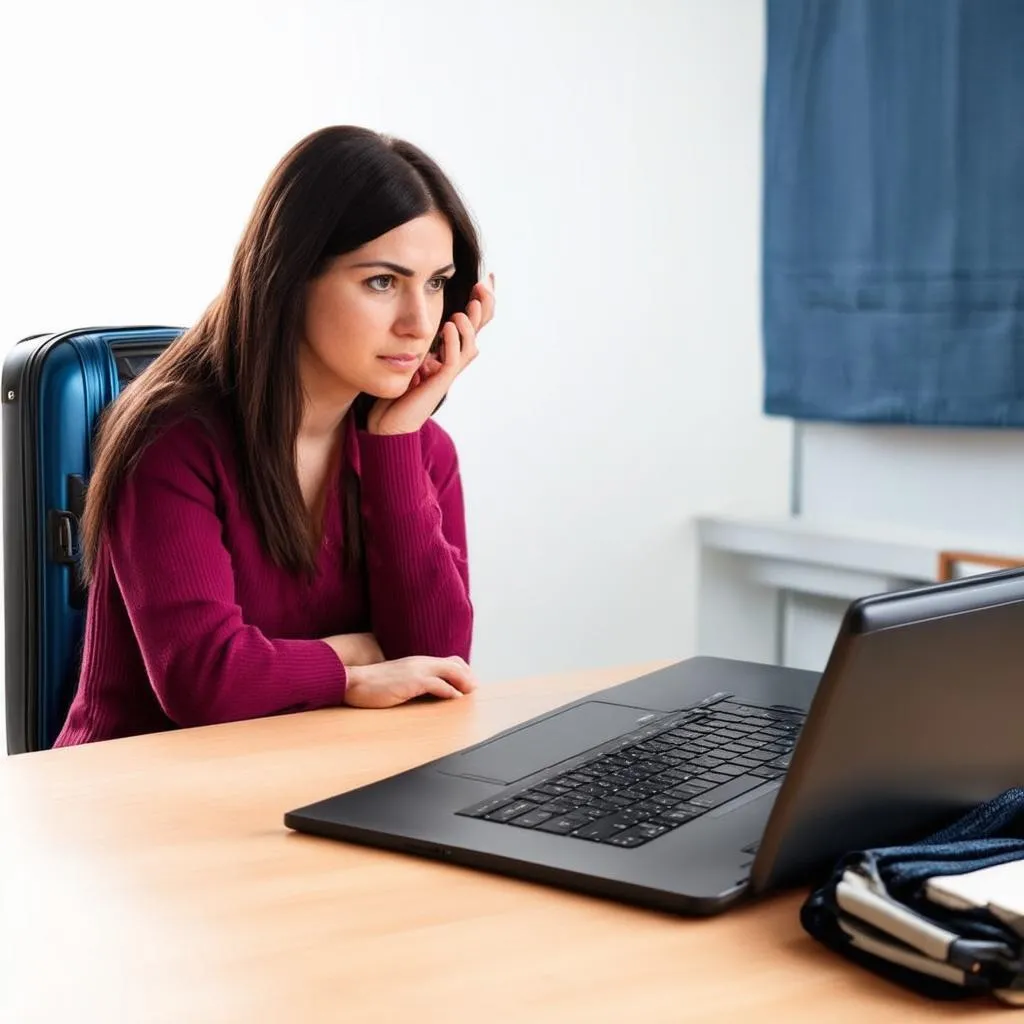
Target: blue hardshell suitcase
54	388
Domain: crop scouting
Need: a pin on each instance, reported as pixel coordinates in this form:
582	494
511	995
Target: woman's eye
437	284
380	283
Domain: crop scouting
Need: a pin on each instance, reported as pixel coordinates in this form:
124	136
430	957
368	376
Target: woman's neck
322	424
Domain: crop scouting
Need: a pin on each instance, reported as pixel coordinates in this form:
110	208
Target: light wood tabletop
152	879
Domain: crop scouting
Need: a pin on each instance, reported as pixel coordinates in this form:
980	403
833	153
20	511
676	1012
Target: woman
274	522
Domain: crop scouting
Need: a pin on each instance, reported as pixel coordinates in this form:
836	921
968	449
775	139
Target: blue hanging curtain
893	260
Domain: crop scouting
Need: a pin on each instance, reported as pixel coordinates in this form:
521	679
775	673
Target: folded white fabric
943	916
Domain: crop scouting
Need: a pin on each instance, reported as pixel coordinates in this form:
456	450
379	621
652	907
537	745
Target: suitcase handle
65	538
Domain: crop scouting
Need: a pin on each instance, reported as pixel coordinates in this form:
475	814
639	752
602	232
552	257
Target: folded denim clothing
874	909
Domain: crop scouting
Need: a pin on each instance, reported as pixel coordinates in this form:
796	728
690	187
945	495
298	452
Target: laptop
711	781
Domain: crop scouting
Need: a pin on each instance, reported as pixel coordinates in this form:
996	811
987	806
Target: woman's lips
404	362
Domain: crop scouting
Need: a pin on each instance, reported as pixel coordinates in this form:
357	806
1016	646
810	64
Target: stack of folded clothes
944	916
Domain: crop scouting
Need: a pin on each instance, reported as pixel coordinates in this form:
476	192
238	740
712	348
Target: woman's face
373	314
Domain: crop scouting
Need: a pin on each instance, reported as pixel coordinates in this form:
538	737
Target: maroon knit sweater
189	622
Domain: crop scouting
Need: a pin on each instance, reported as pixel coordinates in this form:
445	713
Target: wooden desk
151	879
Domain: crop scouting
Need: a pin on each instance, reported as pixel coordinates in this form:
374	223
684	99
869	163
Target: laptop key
652	746
616	781
563	825
702	783
604	806
631	837
531	818
731	707
592	813
714	777
682	813
702	743
602	764
558	806
592	789
762	755
577	799
626	841
602	829
708	761
746	762
682	792
733	750
533	795
681	736
647	791
651	830
663	800
685	791
632	795
650	808
630	816
550	789
512	810
485	807
722	794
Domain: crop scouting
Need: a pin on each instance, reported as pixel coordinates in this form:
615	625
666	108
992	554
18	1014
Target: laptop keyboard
653	780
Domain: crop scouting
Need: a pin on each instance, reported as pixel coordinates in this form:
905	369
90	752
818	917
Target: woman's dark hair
333	192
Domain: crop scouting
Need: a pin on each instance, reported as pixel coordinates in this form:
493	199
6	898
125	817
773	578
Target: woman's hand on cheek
432	380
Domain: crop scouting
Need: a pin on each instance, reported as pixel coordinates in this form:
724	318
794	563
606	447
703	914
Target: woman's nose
415	319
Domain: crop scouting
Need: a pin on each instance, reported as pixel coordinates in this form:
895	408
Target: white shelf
753	568
872	549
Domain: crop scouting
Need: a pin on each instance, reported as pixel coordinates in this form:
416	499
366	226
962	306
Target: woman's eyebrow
403	271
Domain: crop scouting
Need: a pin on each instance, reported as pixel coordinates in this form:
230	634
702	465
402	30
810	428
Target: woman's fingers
437	687
450	346
459	336
430	366
467	332
485	296
458	673
389	683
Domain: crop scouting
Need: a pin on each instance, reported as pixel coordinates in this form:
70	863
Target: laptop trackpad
557	738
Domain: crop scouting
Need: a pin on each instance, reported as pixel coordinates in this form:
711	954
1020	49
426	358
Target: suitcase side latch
65	541
63	537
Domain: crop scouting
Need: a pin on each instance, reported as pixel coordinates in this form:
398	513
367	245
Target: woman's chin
393	387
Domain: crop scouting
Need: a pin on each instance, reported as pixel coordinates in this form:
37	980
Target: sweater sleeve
415	537
205	664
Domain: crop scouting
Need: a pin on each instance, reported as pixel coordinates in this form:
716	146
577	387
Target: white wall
966	481
611	153
963	483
